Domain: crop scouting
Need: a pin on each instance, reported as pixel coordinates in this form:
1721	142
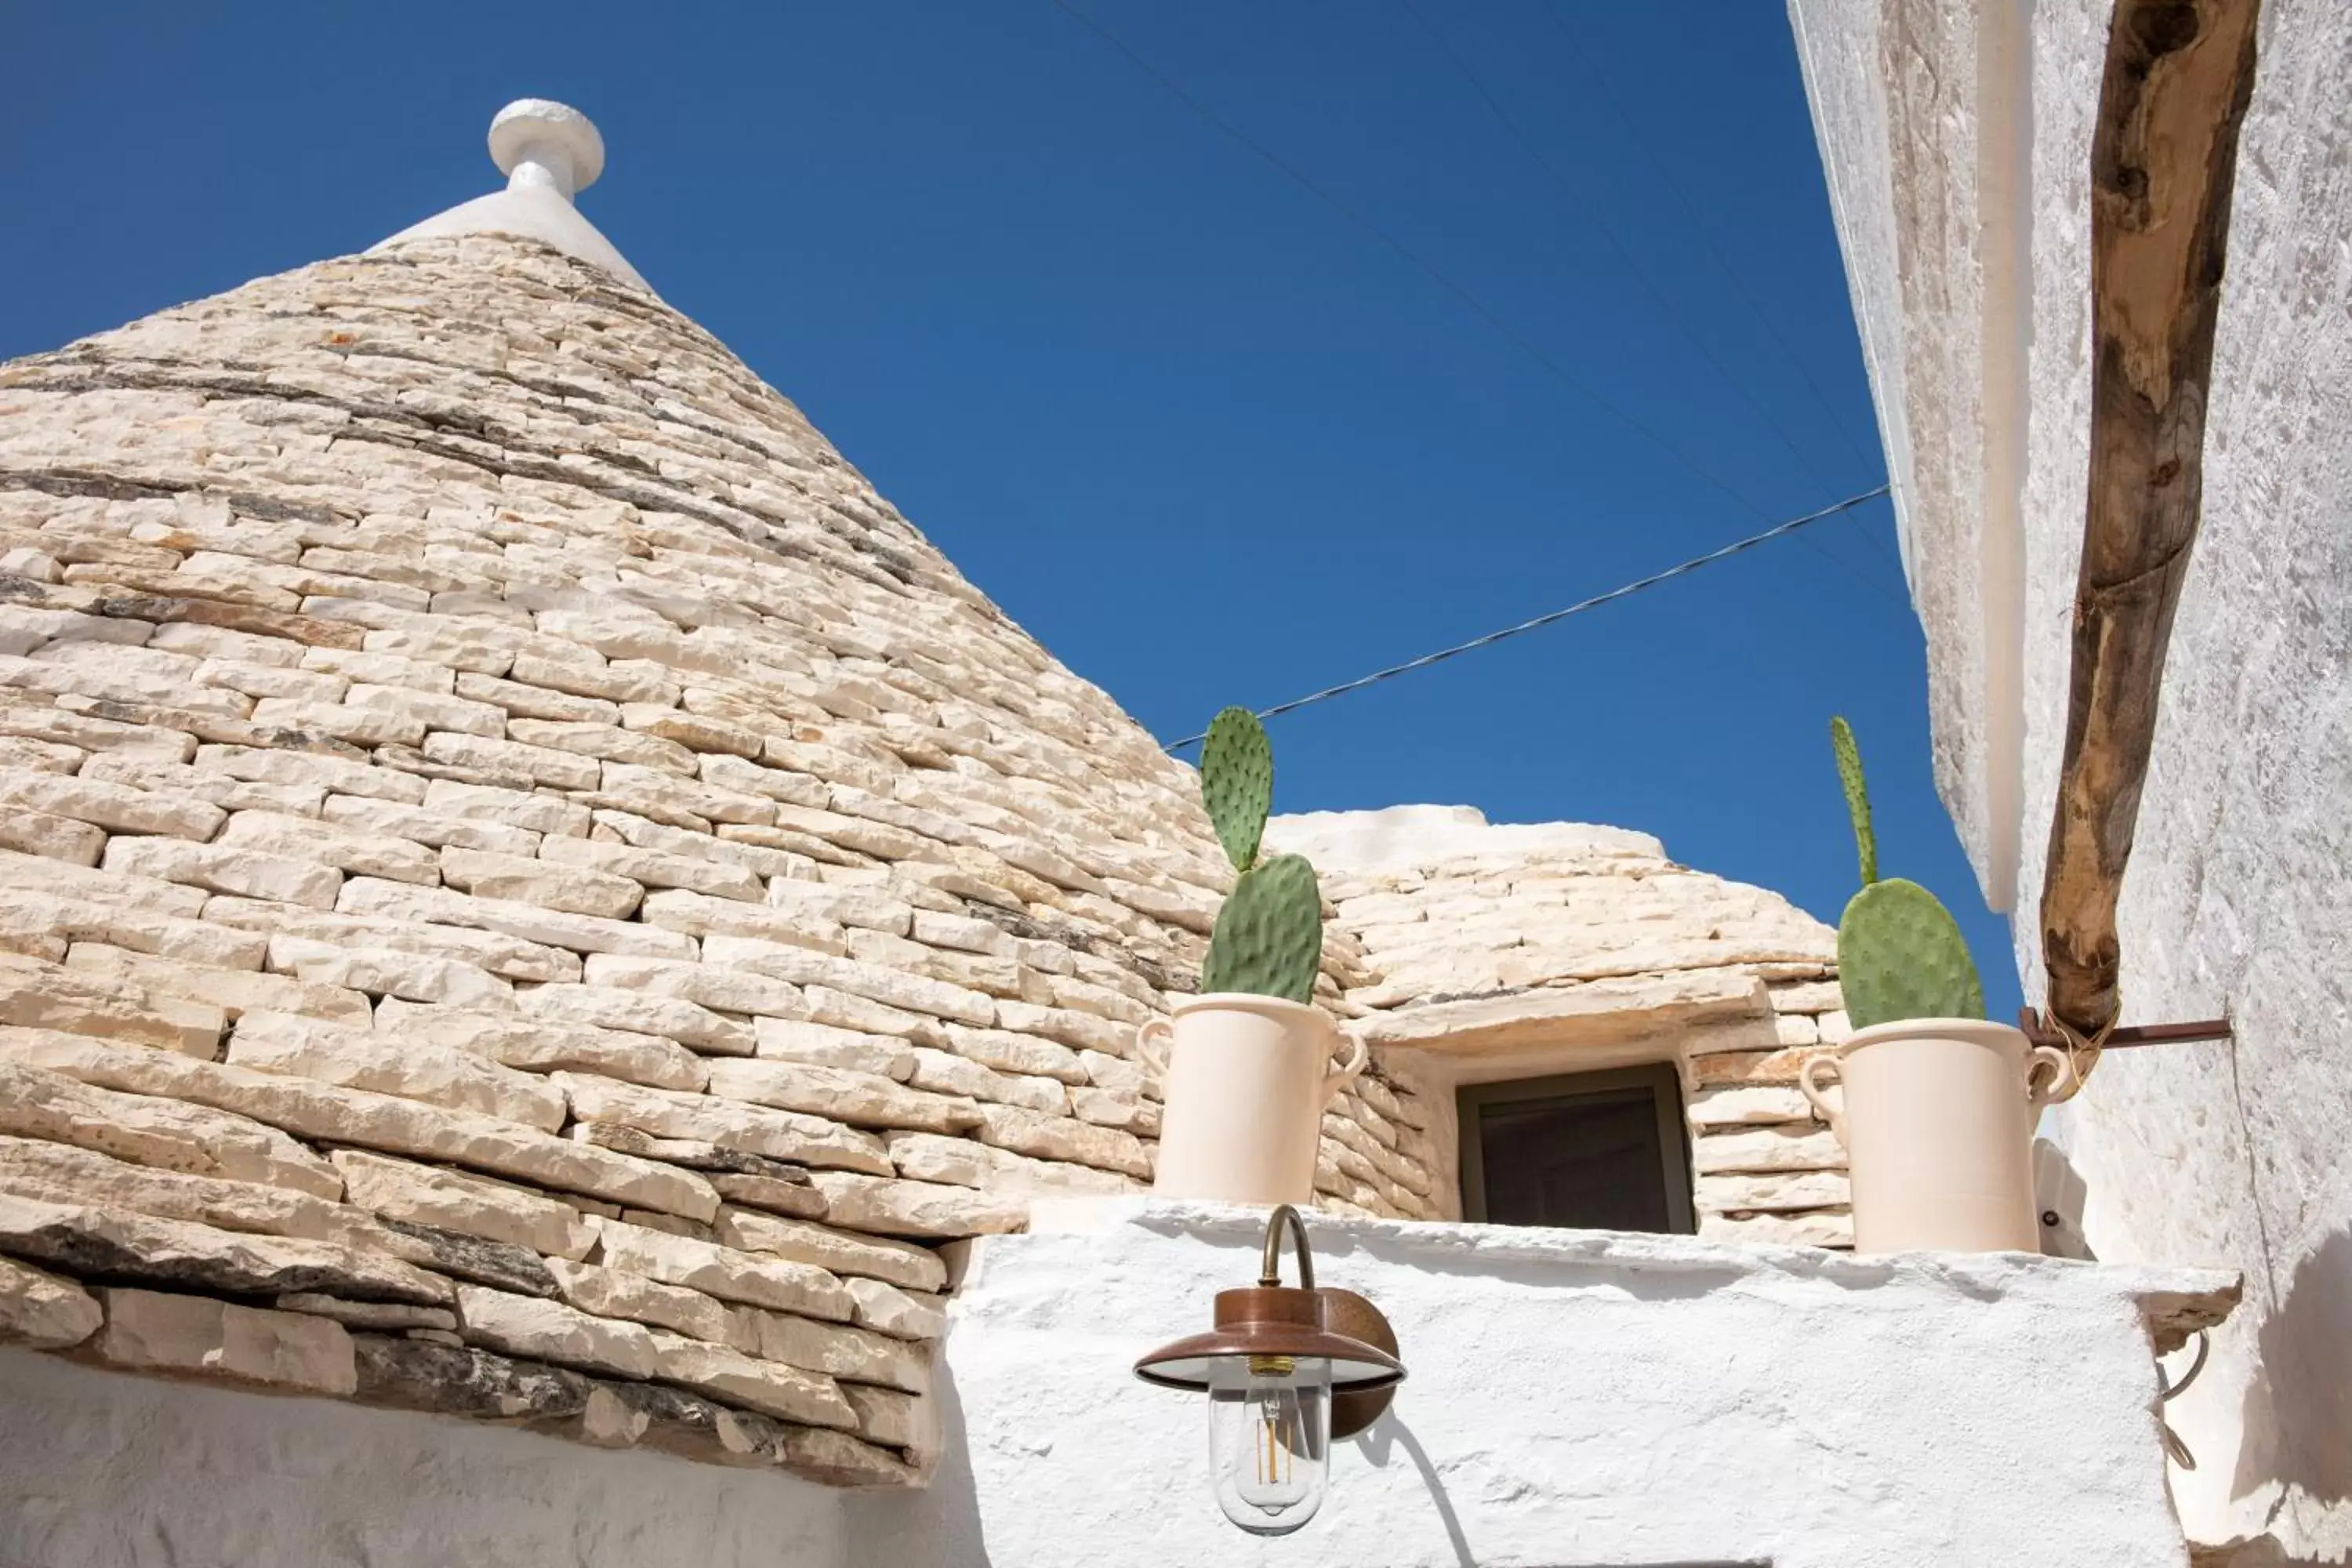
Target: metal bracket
2041	1032
1345	1312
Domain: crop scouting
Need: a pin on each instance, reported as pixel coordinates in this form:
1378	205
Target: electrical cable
1736	547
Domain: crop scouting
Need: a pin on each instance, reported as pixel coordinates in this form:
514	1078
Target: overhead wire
1736	547
1516	339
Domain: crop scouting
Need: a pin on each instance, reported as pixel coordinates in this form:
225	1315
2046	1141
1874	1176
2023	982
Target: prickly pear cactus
1237	782
1269	936
1857	796
1900	953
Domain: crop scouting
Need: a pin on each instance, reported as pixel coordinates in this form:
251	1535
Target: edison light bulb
1270	1439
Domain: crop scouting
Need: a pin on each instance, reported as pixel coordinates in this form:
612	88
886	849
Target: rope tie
2082	1053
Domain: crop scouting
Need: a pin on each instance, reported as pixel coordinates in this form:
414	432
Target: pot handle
2038	1089
1342	1075
1149	1037
1812	1080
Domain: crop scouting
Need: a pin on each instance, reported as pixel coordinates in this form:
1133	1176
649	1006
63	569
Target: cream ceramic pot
1244	1082
1938	1122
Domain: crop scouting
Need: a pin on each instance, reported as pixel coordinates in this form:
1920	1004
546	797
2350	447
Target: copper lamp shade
1277	1321
1271	1319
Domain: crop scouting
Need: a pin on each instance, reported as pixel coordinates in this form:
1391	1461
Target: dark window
1600	1151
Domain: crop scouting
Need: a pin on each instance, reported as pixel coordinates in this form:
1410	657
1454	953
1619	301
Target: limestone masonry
528	891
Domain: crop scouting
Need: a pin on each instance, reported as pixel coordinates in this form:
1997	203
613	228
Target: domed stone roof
529	889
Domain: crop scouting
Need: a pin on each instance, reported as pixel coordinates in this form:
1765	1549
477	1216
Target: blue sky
1568	310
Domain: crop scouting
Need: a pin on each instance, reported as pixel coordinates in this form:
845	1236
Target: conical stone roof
526	885
510	836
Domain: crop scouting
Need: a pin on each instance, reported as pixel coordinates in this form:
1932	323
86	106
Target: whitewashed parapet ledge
1575	1398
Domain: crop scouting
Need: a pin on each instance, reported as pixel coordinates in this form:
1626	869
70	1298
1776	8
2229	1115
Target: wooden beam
2164	155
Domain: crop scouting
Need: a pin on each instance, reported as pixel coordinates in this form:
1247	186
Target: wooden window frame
1664	1080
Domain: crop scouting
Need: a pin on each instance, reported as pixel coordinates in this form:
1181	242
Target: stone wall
114	1471
528	889
2237	898
1477	953
1572	1398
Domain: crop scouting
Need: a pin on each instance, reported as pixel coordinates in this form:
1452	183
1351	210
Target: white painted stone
226	869
541	882
388	971
339	1114
235	992
915	1268
43	1311
360	1058
193	1335
180	1252
859	1100
767	1386
822	1045
888	1309
613	1008
542	1329
445	1491
154	1131
921	1209
39	995
967	1163
616	1294
429	1194
1958	181
849	1354
536	1045
345	847
757	1279
1529	1449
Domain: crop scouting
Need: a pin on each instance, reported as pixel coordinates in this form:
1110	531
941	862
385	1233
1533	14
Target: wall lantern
1285	1371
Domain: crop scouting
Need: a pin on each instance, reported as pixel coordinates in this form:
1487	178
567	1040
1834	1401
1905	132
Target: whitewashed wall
1576	1397
2238	896
108	1470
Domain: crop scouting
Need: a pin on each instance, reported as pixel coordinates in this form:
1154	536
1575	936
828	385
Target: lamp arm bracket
1270	1273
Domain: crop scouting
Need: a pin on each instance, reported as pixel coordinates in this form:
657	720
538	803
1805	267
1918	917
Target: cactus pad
1237	782
1901	955
1269	936
1857	796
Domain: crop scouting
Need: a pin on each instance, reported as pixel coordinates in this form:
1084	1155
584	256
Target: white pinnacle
538	141
548	152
